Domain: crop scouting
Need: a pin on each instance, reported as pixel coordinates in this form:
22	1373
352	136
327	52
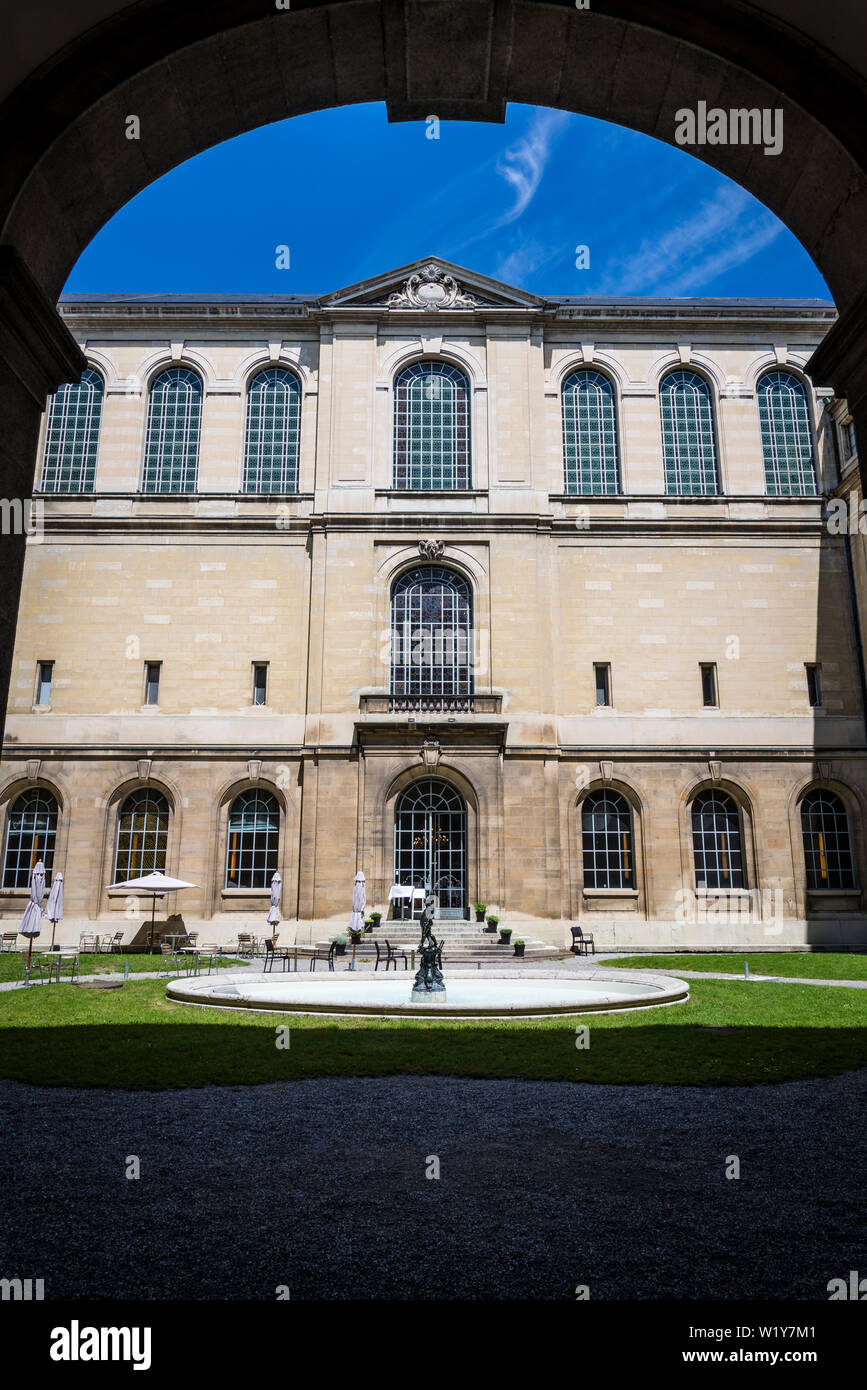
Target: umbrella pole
153	915
53	930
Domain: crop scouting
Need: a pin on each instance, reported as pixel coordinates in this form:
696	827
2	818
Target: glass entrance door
430	834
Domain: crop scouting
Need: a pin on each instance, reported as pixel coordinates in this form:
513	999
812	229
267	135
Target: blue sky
352	196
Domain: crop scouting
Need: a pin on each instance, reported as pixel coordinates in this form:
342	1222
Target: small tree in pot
519	946
493	922
481	909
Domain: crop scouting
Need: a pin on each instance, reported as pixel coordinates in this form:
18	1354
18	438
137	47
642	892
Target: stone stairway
463	942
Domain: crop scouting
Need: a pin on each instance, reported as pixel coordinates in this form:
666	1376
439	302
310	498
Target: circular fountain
470	994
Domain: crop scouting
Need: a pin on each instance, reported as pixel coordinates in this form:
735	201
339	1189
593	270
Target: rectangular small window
152	682
602	672
850	443
260	682
709	694
814	684
45	672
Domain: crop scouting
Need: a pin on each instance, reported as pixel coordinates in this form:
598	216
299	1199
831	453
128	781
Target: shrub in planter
519	946
493	923
375	918
505	935
339	945
481	909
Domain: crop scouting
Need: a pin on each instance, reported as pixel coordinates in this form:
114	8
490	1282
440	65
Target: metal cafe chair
318	954
391	956
273	953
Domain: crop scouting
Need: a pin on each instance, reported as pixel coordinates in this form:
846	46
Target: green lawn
797	964
135	1037
94	963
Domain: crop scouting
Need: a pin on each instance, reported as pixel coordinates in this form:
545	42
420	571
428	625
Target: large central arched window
688	435
716	841
253	838
273	432
72	436
142	835
431	635
590	434
827	846
606	841
31	833
787	439
171	458
431	428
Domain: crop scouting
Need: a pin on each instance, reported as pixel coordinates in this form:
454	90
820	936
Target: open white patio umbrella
157	885
359	902
31	922
273	917
54	906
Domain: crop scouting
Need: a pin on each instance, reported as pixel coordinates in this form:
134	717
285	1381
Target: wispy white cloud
526	259
724	232
523	164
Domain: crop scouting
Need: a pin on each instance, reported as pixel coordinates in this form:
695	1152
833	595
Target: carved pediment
435	285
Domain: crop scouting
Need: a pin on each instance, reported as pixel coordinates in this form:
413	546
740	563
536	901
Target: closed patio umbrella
54	906
273	918
31	922
359	902
157	885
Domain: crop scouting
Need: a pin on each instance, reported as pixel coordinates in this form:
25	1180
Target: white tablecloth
405	890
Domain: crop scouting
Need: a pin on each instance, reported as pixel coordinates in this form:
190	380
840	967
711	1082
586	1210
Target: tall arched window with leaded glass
31	833
252	840
171	460
787	435
273	432
688	435
431	635
431	428
72	435
142	835
590	452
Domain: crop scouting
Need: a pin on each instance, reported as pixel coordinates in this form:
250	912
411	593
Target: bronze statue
429	976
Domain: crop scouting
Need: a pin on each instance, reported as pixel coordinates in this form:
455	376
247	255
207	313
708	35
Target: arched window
430	845
827	847
72	436
688	436
606	839
431	636
273	432
716	841
431	428
590	434
252	840
142	835
787	439
31	831
172	444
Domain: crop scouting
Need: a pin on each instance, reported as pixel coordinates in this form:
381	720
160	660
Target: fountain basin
468	996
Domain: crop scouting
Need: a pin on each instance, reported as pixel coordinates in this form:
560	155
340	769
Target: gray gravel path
320	1185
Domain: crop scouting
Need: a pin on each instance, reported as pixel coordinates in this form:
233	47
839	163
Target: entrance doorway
430	844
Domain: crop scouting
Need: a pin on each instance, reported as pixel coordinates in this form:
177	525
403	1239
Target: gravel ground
320	1185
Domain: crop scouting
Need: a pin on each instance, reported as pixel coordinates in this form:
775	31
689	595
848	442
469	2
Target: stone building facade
532	598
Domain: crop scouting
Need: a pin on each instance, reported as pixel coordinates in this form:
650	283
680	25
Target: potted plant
519	946
481	909
505	935
369	924
493	923
339	945
375	918
356	937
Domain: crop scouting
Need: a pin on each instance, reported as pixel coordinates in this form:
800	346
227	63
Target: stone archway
196	75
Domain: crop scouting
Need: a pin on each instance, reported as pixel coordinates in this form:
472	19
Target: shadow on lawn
169	1054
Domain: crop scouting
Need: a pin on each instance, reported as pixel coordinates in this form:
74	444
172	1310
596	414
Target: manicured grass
795	964
93	963
136	1038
